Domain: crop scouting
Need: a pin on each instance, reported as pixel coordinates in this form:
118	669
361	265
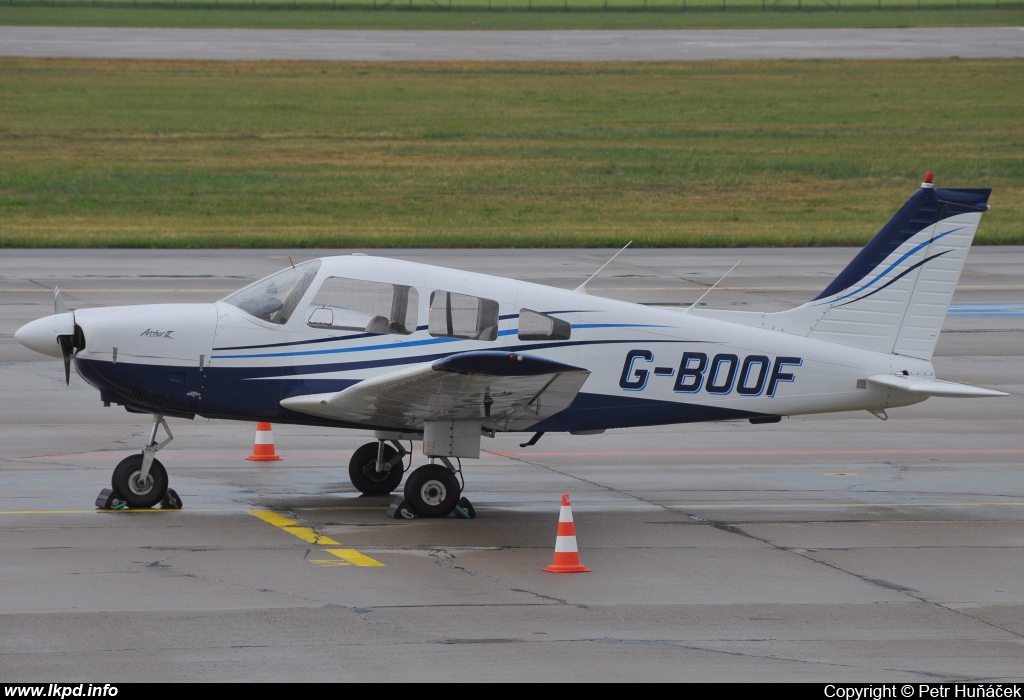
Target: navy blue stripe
896	278
603	412
151	389
332	339
286	370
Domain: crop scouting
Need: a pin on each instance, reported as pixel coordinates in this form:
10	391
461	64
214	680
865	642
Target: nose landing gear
140	481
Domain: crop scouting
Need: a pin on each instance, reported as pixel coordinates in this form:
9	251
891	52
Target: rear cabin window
460	316
358	305
534	325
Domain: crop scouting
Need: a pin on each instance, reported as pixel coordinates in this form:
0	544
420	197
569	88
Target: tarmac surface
835	548
576	45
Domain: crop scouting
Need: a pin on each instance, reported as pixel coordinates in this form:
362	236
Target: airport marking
94	510
292	527
345	557
351	556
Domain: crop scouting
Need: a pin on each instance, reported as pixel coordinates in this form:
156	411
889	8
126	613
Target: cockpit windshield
274	298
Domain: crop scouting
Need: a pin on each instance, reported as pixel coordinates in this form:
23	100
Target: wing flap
501	391
932	387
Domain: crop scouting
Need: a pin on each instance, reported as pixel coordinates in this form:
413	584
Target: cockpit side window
361	305
534	325
274	298
460	316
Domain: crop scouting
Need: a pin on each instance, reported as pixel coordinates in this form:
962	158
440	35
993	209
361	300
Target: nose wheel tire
362	470
432	491
137	492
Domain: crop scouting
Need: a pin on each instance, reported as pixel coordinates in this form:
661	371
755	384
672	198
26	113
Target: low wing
502	391
931	387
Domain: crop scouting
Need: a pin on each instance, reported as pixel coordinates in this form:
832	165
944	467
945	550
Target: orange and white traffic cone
263	449
567	556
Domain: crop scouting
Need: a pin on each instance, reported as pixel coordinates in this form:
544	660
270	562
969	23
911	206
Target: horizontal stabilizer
930	386
498	390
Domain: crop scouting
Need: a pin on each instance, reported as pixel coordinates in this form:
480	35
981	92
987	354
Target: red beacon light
928	177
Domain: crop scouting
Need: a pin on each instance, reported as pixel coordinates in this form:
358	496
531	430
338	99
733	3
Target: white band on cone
565	543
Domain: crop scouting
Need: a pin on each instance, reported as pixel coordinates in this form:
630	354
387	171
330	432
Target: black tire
362	470
432	491
125	482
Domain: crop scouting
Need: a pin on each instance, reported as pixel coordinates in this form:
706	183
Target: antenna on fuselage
687	309
580	289
291	261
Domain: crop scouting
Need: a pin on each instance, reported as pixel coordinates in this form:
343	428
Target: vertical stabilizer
894	295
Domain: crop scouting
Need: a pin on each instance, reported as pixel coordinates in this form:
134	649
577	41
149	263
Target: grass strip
293	154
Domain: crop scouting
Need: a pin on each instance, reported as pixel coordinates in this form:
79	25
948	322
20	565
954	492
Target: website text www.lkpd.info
60	690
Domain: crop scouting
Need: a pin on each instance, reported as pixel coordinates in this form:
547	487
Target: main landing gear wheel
137	492
362	470
432	491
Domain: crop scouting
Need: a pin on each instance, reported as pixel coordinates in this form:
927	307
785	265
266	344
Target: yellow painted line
126	510
292	527
305	533
272	518
95	510
345	557
311	508
42	512
127	288
353	557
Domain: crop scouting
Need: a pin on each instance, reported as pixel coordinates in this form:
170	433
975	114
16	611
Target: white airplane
414	352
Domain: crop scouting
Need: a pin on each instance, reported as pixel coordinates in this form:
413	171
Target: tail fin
893	297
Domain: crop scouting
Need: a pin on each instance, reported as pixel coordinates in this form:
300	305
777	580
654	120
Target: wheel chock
400	510
110	500
171	500
465	509
106	499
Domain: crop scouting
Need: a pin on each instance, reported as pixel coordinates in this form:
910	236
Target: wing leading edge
500	390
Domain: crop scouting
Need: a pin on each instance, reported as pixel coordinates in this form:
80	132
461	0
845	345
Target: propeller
66	351
58	302
67	343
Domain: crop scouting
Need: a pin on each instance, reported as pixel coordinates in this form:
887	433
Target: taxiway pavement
497	45
832	548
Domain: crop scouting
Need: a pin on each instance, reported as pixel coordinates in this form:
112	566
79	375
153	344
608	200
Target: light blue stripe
618	325
413	343
889	269
986	311
389	346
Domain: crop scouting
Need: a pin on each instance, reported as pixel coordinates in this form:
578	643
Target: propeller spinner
54	335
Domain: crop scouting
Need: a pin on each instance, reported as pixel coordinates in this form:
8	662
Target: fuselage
647	366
